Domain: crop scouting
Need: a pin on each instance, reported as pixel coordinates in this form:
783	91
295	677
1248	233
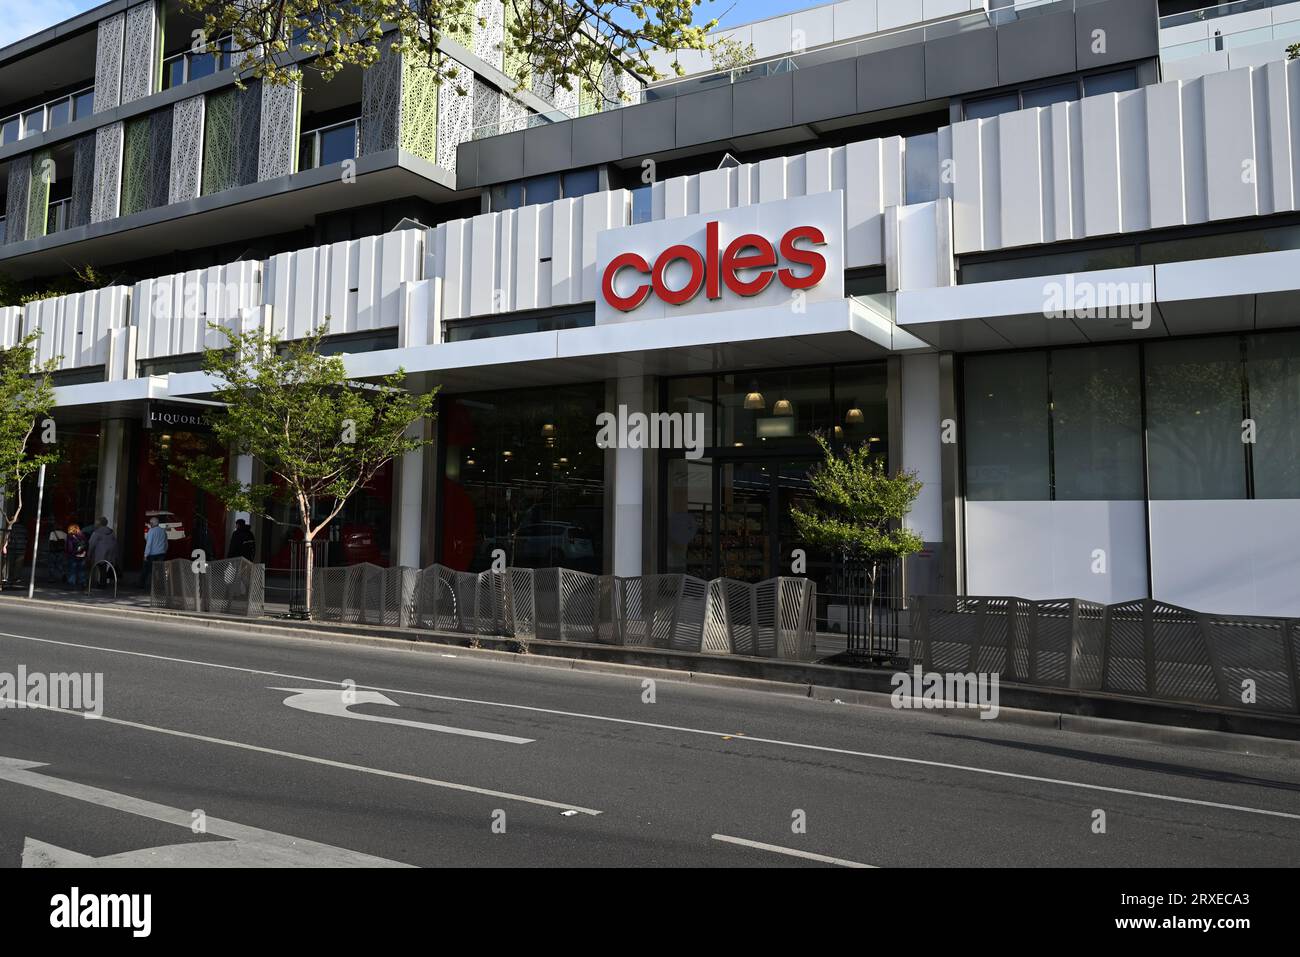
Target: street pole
36	539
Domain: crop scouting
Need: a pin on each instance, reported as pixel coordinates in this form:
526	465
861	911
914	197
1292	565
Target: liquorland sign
744	258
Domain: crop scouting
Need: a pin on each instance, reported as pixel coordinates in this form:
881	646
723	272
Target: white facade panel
75	329
1230	145
1044	550
171	313
355	284
1232	557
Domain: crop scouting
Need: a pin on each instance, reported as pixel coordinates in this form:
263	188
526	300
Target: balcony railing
47	116
329	144
1218	11
787	63
189	66
57	218
1276	32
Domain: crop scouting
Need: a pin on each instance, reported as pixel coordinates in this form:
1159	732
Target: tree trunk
308	571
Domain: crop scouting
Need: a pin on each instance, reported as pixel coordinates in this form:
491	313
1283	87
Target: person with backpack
76	547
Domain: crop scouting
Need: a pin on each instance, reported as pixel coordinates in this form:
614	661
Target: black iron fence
1145	648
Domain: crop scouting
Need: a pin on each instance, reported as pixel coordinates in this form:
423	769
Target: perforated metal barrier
772	619
1145	648
231	586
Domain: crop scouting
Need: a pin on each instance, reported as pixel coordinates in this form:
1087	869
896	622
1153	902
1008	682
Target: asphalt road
197	759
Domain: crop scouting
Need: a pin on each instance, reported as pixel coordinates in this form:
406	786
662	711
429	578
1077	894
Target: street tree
857	512
317	435
27	435
573	43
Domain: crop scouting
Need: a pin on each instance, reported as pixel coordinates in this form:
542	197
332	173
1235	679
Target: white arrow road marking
312	759
325	701
245	846
790	851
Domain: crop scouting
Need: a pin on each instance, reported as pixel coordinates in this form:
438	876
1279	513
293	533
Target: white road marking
327	702
790	852
312	759
898	759
246	846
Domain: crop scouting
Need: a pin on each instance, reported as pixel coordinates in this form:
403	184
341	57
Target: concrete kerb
547	655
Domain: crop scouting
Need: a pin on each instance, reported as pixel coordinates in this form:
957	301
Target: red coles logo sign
745	257
746	267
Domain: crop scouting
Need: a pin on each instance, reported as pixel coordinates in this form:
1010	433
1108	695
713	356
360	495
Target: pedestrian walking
103	548
76	548
155	549
242	543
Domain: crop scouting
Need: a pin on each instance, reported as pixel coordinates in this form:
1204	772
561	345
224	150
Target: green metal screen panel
137	166
38	200
219	143
419	110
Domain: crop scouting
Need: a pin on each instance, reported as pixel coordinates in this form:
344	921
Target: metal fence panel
1146	648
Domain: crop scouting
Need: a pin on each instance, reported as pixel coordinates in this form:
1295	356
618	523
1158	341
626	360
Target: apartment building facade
996	241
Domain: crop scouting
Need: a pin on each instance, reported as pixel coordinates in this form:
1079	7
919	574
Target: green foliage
572	41
26	398
1293	51
296	413
858	508
82	278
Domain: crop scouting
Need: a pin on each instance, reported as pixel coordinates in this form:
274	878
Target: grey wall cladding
186	149
160	154
107	196
140	52
381	104
108	62
83	181
248	132
279	141
20	186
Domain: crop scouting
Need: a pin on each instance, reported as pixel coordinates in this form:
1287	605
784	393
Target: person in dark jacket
242	543
76	548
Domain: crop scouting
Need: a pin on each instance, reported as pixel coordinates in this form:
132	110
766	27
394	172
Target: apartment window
47	116
188	66
541	189
83	104
580	182
544	189
329	144
990	106
1047	95
1116	81
33	122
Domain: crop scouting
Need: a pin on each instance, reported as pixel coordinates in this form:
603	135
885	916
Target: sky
22	18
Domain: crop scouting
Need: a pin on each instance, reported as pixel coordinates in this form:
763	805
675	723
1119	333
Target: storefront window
1006	427
768	410
688	525
523	474
1096	424
360	533
192	517
1194	416
1273	368
728	514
